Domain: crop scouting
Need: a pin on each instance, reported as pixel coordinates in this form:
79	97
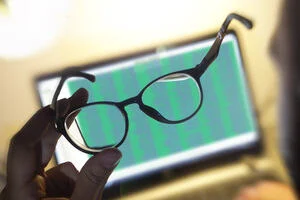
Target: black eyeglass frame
195	73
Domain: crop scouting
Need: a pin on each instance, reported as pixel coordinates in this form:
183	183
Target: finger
32	147
30	134
94	174
60	180
50	136
79	98
24	154
49	140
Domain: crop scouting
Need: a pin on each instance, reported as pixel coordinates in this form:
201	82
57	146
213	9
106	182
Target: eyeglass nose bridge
129	101
151	112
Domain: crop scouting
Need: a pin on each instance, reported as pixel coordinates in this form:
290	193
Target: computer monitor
225	123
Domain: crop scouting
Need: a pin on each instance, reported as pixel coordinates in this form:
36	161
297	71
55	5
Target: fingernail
110	158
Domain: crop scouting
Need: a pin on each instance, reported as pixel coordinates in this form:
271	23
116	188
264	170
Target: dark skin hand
31	150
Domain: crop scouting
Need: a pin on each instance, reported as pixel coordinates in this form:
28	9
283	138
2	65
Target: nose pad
151	112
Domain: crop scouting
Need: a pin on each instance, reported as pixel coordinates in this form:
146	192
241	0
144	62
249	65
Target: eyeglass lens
96	126
175	96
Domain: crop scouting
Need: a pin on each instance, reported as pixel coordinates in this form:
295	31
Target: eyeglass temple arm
214	50
68	73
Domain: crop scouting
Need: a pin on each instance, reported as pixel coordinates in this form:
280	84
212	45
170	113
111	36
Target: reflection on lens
176	96
96	126
174	77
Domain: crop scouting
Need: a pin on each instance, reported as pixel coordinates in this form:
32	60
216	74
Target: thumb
94	174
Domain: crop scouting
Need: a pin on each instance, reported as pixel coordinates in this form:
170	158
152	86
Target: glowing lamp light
30	26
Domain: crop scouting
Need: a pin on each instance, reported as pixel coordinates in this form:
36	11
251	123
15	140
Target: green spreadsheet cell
225	113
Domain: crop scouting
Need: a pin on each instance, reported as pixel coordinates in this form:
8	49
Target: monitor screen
225	121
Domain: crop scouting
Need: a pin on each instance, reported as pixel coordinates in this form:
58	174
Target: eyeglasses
87	130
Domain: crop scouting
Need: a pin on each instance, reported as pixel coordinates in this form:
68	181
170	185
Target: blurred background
42	36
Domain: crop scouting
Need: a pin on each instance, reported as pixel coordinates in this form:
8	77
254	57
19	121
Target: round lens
175	96
96	126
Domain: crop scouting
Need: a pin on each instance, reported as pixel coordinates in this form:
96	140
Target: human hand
31	150
267	190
